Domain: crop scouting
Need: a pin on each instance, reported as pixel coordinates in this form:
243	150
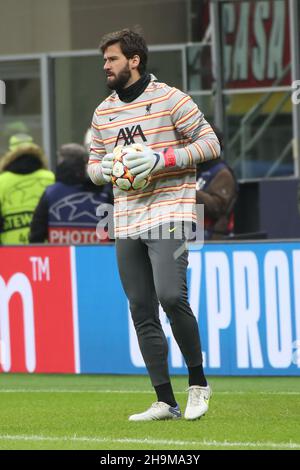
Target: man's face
117	67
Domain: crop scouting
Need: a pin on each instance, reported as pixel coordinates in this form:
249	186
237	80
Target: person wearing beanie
19	139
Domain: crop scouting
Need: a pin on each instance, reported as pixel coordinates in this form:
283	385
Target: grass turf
91	412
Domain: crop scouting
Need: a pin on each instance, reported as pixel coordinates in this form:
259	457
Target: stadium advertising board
256	43
245	297
62	309
36	314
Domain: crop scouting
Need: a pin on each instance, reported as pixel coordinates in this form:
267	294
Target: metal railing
243	134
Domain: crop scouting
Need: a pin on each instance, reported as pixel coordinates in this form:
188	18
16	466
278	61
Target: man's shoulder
108	102
163	88
106	106
174	94
154	85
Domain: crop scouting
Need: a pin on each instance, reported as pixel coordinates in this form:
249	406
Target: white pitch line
203	443
54	390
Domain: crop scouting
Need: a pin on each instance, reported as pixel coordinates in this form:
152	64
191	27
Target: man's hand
146	161
107	166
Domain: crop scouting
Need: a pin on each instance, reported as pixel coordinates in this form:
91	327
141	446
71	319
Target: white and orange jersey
160	117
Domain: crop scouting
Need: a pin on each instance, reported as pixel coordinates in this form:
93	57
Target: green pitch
90	412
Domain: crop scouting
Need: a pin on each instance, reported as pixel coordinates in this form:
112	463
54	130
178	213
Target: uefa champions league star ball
121	176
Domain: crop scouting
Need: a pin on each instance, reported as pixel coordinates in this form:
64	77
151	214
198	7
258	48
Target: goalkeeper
175	137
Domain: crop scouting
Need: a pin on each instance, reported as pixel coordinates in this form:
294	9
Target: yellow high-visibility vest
19	196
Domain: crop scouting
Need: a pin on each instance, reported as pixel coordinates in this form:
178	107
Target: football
121	176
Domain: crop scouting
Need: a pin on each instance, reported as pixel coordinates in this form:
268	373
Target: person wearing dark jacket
66	212
217	189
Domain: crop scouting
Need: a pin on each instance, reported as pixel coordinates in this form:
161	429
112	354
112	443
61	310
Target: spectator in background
23	178
66	212
217	189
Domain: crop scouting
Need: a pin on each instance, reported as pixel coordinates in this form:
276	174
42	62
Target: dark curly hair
131	44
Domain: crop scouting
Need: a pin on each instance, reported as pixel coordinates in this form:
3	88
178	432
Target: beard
120	80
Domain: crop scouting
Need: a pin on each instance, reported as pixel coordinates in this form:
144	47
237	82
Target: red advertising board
256	43
36	310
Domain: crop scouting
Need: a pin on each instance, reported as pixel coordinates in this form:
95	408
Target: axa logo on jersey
127	135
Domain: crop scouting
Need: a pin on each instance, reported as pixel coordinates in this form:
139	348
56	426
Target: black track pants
149	273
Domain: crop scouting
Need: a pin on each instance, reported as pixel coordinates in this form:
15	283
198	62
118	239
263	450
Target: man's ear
135	61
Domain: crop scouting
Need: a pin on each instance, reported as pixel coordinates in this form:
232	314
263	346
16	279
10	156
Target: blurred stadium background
62	310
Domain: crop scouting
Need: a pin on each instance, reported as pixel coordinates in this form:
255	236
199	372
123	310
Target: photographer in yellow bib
23	178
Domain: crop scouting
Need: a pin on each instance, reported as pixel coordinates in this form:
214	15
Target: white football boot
198	401
158	411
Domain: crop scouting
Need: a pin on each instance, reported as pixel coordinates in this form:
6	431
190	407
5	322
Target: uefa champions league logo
2	92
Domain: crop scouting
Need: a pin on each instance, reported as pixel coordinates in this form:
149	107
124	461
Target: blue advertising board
246	297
